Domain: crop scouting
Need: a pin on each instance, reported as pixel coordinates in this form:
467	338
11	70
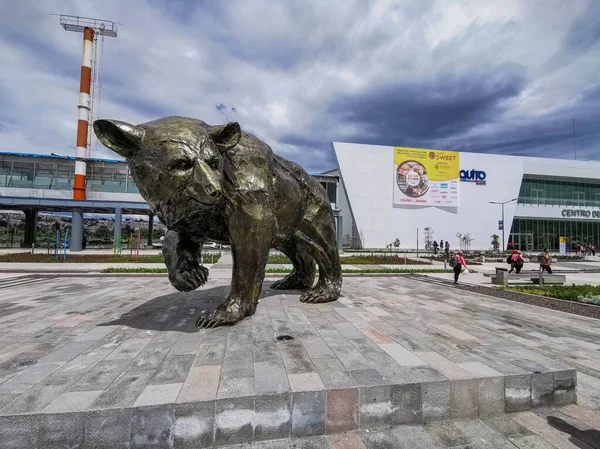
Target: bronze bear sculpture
218	183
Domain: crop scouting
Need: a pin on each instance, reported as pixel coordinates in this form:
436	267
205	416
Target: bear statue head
176	162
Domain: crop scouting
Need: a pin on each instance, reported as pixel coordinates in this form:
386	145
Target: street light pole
503	242
503	224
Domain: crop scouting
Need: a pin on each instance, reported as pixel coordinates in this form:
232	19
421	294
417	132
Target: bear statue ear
227	136
123	138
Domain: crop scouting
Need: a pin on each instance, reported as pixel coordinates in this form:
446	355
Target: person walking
516	261
545	259
457	263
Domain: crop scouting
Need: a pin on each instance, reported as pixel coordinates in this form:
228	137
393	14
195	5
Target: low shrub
589	294
134	270
361	260
90	258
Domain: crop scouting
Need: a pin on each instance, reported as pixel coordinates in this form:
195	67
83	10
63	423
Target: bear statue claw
190	279
320	294
230	312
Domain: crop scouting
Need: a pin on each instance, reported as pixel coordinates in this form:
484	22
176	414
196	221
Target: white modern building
390	192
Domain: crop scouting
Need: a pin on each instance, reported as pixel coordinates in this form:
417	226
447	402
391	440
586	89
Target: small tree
467	240
459	236
428	237
495	242
397	243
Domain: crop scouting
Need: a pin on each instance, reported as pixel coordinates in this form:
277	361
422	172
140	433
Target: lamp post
503	203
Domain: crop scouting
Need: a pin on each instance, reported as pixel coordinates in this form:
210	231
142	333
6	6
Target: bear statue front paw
189	278
230	312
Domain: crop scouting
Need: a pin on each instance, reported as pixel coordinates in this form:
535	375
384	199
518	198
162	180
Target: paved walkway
71	344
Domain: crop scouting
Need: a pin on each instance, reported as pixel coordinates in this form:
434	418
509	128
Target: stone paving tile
296	359
158	394
29	377
124	391
174	369
201	384
38	397
100	376
236	387
305	382
333	374
73	401
270	378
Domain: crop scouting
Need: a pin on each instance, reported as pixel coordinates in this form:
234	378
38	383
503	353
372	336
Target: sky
470	75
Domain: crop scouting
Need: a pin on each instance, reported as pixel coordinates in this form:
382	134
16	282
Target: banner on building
562	241
426	177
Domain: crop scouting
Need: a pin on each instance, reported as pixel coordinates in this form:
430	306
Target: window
120	180
64	177
45	175
559	193
22	175
578	198
102	179
537	196
5	169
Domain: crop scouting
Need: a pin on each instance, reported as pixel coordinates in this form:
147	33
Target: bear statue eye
182	164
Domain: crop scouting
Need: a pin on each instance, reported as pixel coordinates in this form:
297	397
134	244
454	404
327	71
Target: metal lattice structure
78	24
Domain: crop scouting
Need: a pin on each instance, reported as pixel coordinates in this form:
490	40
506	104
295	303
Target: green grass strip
286	270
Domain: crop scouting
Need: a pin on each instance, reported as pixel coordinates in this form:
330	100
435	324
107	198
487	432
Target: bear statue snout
215	193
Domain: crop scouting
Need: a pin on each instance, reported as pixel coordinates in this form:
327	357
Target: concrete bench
542	278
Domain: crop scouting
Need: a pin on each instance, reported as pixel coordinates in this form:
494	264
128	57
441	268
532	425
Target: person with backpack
545	260
516	261
457	262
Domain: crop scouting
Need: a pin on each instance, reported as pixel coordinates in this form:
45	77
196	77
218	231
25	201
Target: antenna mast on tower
88	97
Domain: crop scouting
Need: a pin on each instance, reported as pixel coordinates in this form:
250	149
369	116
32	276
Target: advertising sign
426	177
562	242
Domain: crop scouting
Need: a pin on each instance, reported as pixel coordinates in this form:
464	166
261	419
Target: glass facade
100	176
545	192
331	189
533	235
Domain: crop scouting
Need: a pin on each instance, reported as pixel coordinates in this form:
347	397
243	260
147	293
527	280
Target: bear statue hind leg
320	238
304	272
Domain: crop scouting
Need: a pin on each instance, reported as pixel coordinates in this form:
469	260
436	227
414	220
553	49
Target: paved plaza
78	352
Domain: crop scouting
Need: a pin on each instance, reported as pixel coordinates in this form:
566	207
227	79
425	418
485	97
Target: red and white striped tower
90	28
84	114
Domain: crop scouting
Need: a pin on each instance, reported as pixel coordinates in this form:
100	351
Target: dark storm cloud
414	113
550	134
299	74
585	31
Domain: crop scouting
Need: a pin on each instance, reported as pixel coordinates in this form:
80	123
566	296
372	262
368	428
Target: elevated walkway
125	363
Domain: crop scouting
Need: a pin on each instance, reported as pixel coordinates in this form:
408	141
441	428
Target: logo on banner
476	176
